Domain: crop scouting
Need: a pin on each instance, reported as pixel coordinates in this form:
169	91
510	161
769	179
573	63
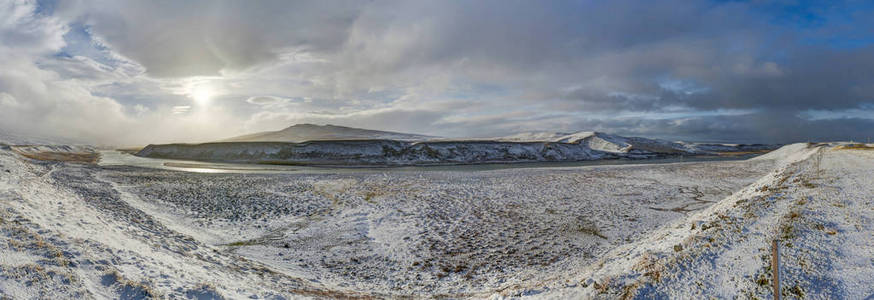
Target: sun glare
201	95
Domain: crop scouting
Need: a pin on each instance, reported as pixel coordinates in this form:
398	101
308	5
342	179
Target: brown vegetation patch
84	157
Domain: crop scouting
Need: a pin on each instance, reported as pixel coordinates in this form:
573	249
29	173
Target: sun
201	95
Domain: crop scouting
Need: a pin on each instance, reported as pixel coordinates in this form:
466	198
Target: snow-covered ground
817	205
680	230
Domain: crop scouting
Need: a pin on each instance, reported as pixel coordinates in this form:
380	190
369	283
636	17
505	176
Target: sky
139	72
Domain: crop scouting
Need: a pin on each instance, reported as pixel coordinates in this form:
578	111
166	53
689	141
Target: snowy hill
310	132
620	144
605	142
333	145
376	152
532	136
810	216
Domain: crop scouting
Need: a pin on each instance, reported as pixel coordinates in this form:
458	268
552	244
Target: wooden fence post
775	268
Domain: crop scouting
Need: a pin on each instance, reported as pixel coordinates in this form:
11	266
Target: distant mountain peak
301	125
313	132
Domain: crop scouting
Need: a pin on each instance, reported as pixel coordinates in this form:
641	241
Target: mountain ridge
338	145
311	132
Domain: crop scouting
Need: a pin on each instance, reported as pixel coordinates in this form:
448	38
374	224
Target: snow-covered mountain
310	132
604	142
620	144
532	136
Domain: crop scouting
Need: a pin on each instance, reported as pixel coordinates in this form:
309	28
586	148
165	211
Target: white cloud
265	100
181	109
47	95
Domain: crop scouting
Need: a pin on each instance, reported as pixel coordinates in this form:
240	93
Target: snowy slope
679	230
612	143
65	234
532	136
54	148
615	143
815	205
310	132
594	140
314	144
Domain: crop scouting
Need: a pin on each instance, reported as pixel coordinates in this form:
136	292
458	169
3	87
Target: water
118	158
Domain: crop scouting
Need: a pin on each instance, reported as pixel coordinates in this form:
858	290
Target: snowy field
817	205
78	230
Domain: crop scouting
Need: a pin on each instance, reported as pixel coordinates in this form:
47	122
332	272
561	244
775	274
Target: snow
82	234
534	136
374	152
674	230
580	146
54	148
618	144
815	204
594	140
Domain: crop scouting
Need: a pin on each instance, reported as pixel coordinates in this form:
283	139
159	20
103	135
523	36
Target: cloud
206	38
181	109
122	72
45	94
265	100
